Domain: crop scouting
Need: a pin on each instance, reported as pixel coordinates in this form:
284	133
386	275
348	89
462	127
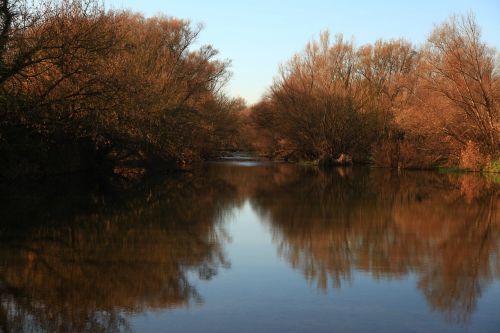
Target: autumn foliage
390	103
83	88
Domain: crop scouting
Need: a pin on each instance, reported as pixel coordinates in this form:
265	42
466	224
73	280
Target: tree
389	71
84	88
320	103
461	73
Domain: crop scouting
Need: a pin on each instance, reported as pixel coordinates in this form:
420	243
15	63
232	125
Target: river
248	246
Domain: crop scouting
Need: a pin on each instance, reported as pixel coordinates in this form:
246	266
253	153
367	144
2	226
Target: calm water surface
243	246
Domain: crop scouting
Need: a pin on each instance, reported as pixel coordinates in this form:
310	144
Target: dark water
250	247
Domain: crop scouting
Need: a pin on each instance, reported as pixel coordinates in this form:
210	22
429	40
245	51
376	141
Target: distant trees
91	88
318	102
334	98
390	102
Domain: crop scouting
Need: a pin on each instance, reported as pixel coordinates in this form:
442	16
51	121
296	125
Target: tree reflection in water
74	257
445	229
79	259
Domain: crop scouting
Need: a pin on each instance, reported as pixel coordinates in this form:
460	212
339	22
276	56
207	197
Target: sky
259	35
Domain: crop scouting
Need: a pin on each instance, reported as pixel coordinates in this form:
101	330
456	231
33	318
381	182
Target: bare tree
461	71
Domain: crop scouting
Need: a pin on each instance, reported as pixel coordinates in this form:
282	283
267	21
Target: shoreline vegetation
390	103
85	89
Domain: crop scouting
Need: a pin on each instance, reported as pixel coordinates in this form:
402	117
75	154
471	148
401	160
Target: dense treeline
85	88
82	88
390	102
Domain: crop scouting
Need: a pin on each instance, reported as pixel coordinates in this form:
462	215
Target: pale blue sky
261	34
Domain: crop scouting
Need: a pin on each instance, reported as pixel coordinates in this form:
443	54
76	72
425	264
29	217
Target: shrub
471	157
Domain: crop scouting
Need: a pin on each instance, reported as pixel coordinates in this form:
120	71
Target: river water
249	246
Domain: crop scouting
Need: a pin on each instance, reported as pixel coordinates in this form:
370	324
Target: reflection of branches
85	268
22	315
468	252
389	225
325	270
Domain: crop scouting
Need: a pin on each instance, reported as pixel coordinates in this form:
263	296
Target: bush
471	157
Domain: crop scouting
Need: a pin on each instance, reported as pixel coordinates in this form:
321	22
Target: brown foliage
122	87
471	157
391	102
459	69
316	107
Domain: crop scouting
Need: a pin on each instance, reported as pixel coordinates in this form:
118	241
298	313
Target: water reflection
84	257
80	259
444	229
